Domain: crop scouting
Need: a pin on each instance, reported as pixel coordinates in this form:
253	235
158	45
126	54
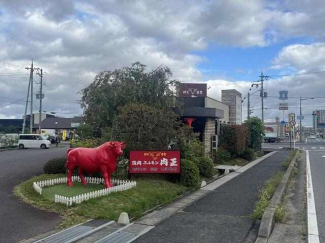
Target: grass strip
266	194
269	189
146	195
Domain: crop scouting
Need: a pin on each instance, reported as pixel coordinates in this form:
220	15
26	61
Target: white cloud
74	40
302	57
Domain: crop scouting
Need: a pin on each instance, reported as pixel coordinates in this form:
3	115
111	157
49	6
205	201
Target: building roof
60	123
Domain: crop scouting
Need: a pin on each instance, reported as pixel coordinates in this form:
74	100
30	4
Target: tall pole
248	105
262	95
31	99
300	134
24	123
40	103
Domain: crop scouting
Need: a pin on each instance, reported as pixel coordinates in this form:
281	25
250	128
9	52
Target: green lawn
67	191
148	193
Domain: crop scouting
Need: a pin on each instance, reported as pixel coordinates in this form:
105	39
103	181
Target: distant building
233	98
63	127
318	120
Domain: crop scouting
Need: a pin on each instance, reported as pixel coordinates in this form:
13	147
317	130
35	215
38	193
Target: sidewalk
224	215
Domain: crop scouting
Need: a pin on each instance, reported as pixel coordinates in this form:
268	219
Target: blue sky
238	63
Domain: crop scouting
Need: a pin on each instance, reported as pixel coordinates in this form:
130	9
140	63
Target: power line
293	97
1	107
12	65
297	74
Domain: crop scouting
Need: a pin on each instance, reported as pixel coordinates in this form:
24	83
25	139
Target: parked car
312	137
52	139
33	141
270	137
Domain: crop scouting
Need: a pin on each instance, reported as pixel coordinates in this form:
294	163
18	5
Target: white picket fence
119	185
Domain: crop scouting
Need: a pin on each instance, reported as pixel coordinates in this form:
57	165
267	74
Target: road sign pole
290	137
294	138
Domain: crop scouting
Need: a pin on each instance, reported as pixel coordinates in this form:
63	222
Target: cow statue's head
116	147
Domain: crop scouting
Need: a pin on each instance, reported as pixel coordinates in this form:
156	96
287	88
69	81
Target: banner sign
283	106
192	90
292	117
166	161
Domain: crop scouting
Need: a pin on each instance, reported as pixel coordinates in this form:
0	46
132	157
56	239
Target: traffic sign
283	106
283	122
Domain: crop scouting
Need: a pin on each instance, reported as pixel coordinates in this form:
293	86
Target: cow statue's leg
70	171
82	178
103	169
109	180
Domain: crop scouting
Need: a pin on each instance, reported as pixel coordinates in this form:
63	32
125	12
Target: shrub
190	176
233	138
249	154
222	155
205	166
55	166
87	143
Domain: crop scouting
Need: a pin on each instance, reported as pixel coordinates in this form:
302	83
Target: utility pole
262	95
300	130
40	103
24	123
248	105
30	87
31	101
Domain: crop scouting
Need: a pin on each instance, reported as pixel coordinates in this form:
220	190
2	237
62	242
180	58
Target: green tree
256	131
11	129
84	131
113	89
145	127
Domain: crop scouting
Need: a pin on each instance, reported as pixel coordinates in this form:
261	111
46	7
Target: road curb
8	149
268	218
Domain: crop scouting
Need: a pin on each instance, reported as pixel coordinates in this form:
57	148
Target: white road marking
313	147
313	235
280	147
321	147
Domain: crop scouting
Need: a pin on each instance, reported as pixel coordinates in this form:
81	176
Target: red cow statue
92	160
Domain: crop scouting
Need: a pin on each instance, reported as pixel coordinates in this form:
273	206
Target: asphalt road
312	144
223	215
18	220
317	167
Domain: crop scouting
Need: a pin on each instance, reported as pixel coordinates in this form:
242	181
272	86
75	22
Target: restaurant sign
192	90
166	161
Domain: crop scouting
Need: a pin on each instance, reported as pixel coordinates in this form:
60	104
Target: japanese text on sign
155	162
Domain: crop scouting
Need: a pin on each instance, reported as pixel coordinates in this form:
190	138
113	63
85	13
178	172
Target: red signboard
166	161
192	90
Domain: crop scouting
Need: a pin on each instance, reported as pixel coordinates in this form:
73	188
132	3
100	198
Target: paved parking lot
18	220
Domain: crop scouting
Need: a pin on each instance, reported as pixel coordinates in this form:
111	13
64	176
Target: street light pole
301	99
300	130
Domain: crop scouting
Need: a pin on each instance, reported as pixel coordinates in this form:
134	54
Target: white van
33	141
